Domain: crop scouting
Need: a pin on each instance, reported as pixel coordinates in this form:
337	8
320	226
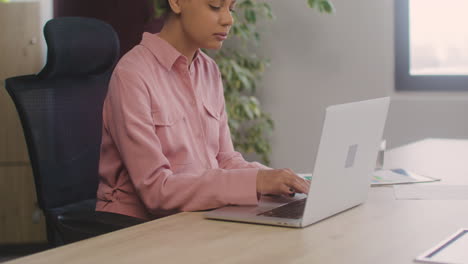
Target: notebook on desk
346	158
450	251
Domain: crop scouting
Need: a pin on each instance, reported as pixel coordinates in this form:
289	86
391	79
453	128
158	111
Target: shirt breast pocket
171	129
212	123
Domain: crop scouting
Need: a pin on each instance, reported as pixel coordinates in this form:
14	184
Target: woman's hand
281	181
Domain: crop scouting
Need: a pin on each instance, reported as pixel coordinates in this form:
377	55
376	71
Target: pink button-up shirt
166	145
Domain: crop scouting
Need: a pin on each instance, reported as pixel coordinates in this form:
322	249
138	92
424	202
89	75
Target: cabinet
20	54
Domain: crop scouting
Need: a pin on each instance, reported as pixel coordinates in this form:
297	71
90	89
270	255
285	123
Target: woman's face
207	22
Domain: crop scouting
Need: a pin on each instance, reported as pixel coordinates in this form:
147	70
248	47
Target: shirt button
193	102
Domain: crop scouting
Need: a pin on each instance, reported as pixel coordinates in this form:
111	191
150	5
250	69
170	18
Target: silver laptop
341	178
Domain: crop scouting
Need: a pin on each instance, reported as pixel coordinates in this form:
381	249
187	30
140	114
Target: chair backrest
61	109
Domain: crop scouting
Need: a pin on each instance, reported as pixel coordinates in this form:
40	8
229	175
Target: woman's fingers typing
280	181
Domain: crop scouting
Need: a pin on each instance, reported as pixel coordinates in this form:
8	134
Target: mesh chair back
61	109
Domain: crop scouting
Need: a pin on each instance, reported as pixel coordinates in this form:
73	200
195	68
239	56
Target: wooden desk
383	230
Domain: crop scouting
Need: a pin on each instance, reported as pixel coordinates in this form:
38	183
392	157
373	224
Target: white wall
319	60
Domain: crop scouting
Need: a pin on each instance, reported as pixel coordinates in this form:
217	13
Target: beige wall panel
20	220
20	48
13	149
20	54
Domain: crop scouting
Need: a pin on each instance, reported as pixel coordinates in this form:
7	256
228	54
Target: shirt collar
164	52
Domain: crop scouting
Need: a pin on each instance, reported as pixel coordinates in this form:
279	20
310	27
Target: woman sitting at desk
166	145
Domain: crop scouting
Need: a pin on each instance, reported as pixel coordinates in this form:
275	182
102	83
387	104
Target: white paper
456	252
398	176
452	250
431	192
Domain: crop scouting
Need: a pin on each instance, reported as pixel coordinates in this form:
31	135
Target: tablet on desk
452	250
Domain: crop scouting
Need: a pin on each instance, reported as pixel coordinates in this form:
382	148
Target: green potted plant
241	71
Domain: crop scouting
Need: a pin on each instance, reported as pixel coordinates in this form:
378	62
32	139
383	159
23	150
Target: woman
166	145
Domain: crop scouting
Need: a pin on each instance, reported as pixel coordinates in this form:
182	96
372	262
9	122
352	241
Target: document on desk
398	176
451	250
431	192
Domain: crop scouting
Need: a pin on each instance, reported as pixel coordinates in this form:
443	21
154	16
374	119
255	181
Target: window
431	42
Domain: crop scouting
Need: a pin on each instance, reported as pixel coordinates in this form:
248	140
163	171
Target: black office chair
61	114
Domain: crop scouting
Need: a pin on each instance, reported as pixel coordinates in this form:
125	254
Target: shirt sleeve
160	189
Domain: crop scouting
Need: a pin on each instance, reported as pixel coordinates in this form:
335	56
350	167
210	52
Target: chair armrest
80	221
100	220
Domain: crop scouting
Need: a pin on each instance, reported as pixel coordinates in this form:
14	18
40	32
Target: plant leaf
312	3
250	16
326	7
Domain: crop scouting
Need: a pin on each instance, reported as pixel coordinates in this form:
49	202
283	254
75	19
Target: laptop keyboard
292	210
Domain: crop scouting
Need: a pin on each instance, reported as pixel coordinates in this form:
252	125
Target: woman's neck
172	33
